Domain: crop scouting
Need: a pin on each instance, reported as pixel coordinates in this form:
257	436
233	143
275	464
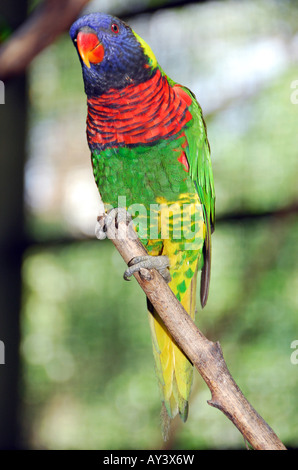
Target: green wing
200	170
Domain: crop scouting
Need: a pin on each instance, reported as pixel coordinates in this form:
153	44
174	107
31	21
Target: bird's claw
143	263
113	217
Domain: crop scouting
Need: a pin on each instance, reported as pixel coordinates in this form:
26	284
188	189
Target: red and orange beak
89	47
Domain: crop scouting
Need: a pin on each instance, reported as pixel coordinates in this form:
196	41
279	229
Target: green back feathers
200	169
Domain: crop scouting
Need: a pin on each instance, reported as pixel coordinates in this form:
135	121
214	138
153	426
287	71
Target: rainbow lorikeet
148	143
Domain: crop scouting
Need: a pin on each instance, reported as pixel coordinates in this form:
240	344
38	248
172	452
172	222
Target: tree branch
205	355
49	20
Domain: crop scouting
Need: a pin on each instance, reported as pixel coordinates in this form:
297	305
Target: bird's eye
115	28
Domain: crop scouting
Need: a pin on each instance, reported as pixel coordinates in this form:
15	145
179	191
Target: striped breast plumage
137	115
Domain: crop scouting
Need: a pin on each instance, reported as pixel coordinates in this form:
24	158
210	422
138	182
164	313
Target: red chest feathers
140	114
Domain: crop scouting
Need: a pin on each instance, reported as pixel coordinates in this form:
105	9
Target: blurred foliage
85	349
88	375
5	30
88	366
258	155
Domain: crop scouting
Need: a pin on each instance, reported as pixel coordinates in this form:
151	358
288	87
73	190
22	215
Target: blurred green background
86	377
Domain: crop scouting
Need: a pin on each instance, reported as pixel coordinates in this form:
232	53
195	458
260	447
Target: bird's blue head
112	55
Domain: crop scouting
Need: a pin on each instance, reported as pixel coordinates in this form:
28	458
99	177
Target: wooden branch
206	355
48	20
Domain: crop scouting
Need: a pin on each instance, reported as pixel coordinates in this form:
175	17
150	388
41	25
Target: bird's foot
143	263
113	217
